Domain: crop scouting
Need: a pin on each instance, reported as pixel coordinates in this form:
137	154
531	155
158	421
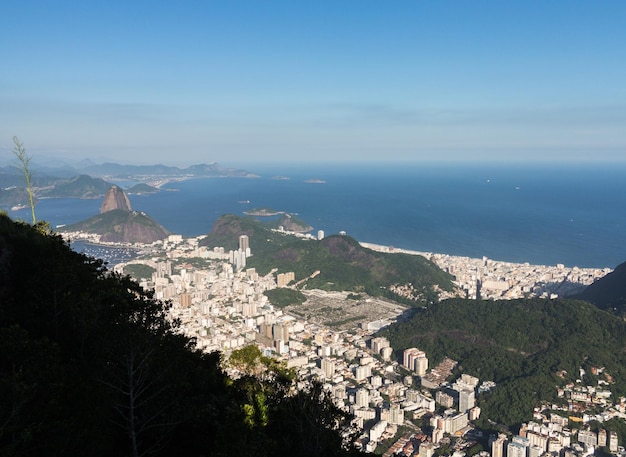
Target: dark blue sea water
542	214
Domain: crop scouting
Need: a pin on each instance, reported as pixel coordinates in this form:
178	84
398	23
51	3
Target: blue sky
251	81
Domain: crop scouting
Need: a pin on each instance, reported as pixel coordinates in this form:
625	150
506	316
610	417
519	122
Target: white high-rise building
421	366
516	450
411	355
613	442
396	414
244	245
497	447
466	400
328	367
362	399
378	344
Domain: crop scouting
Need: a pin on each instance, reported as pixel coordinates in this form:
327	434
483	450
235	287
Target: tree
24	162
90	364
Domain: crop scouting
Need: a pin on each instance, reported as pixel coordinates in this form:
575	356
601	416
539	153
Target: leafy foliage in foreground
342	263
90	365
519	344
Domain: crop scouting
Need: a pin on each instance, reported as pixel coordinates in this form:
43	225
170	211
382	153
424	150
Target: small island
315	181
142	189
263	212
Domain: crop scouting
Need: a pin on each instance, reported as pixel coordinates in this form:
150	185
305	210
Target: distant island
281	178
315	181
263	212
142	189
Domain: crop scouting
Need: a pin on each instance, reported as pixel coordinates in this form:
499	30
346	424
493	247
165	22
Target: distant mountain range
92	181
115	170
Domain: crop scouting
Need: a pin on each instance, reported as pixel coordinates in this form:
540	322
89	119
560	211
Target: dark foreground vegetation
91	366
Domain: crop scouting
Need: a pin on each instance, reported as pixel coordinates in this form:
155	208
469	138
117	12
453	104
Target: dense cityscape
401	405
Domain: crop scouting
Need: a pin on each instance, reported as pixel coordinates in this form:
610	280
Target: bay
542	214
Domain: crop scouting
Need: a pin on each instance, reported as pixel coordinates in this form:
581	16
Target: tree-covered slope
91	365
342	263
519	344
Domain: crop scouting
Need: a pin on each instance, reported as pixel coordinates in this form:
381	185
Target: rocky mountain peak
115	198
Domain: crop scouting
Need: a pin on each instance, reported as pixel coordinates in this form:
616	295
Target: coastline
475	278
493	279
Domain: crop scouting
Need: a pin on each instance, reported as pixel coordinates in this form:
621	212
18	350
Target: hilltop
117	223
142	189
343	264
119	226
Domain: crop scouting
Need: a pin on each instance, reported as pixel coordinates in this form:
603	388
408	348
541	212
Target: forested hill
519	344
342	263
90	365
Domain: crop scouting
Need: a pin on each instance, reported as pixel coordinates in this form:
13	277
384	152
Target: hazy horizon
244	82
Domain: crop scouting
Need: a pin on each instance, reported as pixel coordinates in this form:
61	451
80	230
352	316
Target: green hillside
343	264
519	344
119	226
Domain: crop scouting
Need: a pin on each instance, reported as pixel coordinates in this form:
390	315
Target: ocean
541	214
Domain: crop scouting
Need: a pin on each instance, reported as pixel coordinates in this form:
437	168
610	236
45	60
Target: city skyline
282	81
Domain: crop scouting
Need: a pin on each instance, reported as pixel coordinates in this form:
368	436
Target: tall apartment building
444	399
426	449
185	300
282	279
497	447
415	360
378	344
613	443
328	367
602	438
244	243
466	400
516	450
280	332
363	372
362	398
588	438
163	269
396	414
